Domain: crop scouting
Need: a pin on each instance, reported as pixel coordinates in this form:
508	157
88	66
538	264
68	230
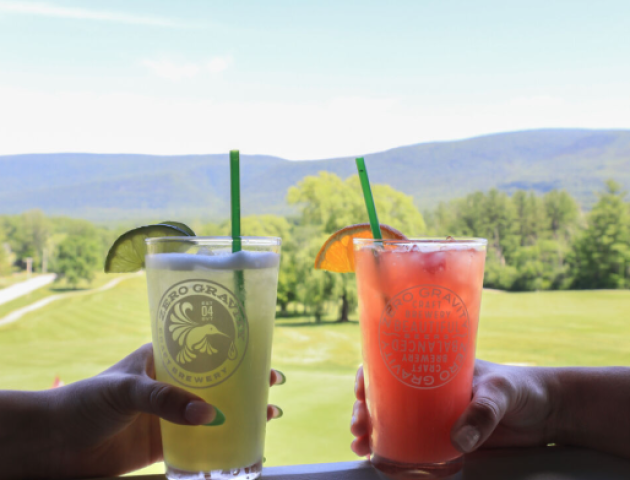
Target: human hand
108	424
510	407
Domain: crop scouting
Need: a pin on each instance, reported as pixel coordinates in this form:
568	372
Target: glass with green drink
212	314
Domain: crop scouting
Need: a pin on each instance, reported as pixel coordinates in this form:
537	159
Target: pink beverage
419	310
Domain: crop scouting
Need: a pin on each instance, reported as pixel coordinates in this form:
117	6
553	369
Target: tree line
72	248
545	242
535	242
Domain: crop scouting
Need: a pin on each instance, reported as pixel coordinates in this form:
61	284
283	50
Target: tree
498	224
275	226
328	204
5	254
332	203
28	234
61	227
490	216
528	236
562	214
601	257
78	257
530	216
318	286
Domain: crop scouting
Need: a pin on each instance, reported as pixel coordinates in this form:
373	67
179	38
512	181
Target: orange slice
337	253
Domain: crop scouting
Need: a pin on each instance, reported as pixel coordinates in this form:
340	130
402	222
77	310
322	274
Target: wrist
63	452
556	425
40	440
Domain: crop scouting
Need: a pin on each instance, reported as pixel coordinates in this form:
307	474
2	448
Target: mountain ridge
134	187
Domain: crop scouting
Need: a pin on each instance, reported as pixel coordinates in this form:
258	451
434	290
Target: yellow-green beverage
212	314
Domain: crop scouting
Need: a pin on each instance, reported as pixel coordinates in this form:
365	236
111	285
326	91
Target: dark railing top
550	463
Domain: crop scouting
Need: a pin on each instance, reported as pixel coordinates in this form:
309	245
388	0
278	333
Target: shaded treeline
534	242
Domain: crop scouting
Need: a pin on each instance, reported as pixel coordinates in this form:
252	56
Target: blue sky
304	80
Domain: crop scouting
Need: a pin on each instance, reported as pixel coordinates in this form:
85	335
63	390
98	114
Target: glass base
390	469
245	473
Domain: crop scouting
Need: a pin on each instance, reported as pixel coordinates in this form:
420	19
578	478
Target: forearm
26	434
592	408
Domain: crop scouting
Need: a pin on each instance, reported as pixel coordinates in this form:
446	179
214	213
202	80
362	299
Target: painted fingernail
219	419
467	438
197	412
283	378
277	411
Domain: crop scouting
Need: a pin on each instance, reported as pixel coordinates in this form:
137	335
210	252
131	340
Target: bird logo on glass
202	332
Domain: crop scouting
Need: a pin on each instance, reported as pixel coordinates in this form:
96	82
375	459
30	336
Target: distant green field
81	336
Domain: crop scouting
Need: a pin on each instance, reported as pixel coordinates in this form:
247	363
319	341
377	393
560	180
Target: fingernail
219	419
198	413
277	412
283	378
467	438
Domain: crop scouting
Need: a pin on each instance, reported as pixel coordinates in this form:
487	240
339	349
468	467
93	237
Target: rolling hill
124	187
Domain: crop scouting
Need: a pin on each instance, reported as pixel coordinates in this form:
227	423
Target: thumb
171	403
488	407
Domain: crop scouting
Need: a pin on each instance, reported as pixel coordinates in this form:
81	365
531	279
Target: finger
168	402
482	367
138	362
359	385
274	412
361	446
277	378
360	419
490	401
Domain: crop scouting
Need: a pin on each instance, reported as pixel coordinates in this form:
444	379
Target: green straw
235	204
235	195
369	199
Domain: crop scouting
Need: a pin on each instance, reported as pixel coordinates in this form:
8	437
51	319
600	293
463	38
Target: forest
535	242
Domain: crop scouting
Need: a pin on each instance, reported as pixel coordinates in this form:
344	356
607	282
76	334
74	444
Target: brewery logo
202	333
424	336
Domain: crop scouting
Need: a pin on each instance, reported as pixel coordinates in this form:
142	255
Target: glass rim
218	240
473	241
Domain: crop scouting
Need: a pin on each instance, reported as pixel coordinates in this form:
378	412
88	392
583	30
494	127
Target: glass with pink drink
419	310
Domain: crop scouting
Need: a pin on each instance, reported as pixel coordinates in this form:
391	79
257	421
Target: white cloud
32	121
174	71
49	10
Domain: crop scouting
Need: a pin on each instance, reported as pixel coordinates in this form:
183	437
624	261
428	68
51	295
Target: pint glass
419	310
212	315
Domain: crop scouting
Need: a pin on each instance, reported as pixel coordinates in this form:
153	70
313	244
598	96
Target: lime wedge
128	251
180	225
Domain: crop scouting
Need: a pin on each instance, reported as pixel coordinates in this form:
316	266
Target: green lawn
81	336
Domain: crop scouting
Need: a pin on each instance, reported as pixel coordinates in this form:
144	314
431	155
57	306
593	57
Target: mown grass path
80	336
25	287
16	315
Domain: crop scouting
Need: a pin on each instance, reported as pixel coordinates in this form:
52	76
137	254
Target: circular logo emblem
423	334
202	333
